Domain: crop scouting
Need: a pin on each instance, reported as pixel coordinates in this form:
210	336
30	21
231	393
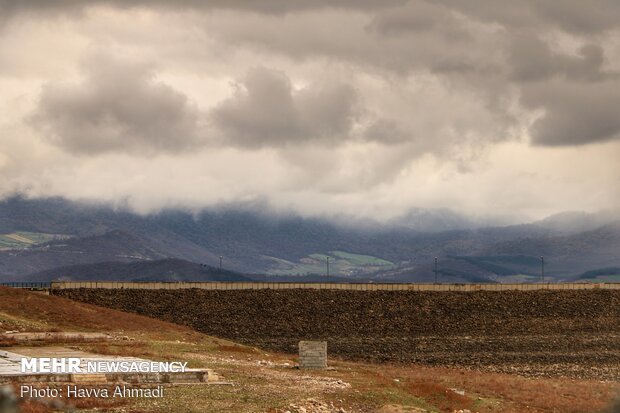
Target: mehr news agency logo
76	365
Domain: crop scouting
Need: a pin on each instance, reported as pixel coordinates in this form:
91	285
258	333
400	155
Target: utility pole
327	266
221	262
435	270
542	268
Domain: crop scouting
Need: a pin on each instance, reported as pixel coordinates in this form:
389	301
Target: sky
345	107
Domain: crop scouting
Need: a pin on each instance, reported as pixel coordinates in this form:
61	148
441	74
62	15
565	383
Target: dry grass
60	314
493	392
439	396
235	348
96	404
136	349
33	407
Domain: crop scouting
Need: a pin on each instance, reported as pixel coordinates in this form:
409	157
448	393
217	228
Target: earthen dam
528	329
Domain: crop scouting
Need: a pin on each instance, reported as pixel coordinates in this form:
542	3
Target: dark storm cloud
574	16
496	50
416	17
577	95
387	131
574	114
532	59
118	107
268	111
8	7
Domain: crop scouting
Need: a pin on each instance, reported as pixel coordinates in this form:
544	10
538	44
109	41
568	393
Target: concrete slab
54	336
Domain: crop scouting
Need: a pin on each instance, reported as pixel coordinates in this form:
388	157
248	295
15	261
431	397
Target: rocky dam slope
546	333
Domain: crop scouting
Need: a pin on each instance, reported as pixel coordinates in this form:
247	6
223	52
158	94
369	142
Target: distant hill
253	241
112	246
603	240
170	269
565	256
602	274
572	222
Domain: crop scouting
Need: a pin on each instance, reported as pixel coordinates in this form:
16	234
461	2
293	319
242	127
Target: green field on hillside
24	239
340	263
520	278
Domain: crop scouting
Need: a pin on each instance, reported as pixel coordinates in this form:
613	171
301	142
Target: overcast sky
357	107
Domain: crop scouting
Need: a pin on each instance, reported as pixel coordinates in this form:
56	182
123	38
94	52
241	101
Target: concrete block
313	354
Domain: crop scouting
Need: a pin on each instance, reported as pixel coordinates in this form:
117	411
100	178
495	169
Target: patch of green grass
25	239
520	278
361	260
340	263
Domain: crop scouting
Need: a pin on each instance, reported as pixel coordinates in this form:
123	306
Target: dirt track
572	333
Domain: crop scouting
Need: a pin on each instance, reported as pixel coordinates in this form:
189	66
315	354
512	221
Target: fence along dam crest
216	285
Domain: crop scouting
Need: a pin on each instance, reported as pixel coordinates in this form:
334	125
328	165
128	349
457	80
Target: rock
458	391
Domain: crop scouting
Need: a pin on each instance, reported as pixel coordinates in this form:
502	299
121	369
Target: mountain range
53	238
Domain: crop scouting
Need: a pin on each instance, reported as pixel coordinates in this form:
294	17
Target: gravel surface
533	333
